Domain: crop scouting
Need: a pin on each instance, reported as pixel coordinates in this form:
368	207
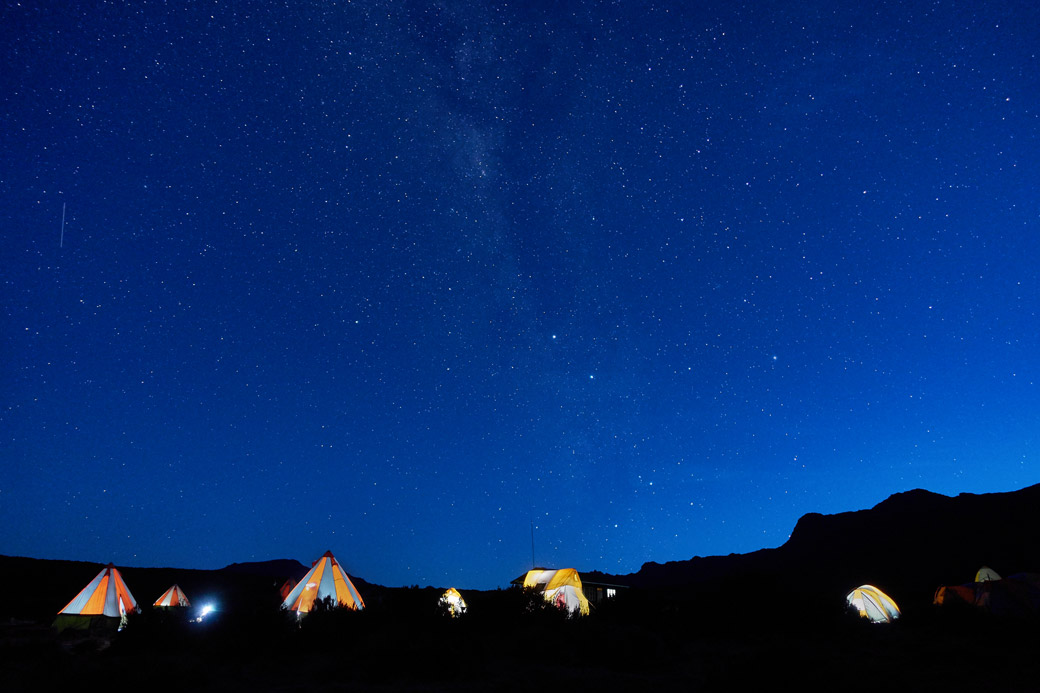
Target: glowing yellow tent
873	604
172	597
560	587
325	579
453	603
105	597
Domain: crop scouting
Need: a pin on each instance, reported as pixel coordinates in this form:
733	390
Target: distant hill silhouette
747	621
47	585
908	544
282	567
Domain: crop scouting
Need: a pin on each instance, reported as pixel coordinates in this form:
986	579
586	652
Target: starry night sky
398	279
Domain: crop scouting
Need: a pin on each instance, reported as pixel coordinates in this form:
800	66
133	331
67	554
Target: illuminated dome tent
560	587
173	597
453	602
325	579
873	604
106	597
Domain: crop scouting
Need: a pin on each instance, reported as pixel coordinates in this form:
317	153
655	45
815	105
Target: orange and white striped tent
106	595
172	597
325	579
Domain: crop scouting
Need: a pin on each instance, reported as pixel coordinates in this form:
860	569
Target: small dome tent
559	587
173	597
326	579
452	602
1015	595
873	604
986	574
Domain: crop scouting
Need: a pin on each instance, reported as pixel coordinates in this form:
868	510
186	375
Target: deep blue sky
395	280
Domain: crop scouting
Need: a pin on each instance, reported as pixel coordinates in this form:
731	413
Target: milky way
398	281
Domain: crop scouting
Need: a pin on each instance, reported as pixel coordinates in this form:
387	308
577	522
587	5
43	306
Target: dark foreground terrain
753	621
734	639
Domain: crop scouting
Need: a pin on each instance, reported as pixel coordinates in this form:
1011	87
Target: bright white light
205	611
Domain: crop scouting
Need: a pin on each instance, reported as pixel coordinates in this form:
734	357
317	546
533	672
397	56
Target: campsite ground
717	623
736	632
515	647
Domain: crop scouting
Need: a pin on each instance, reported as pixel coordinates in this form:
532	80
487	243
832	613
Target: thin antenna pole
61	243
533	564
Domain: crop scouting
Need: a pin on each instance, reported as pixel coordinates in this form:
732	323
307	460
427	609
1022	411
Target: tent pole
533	564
